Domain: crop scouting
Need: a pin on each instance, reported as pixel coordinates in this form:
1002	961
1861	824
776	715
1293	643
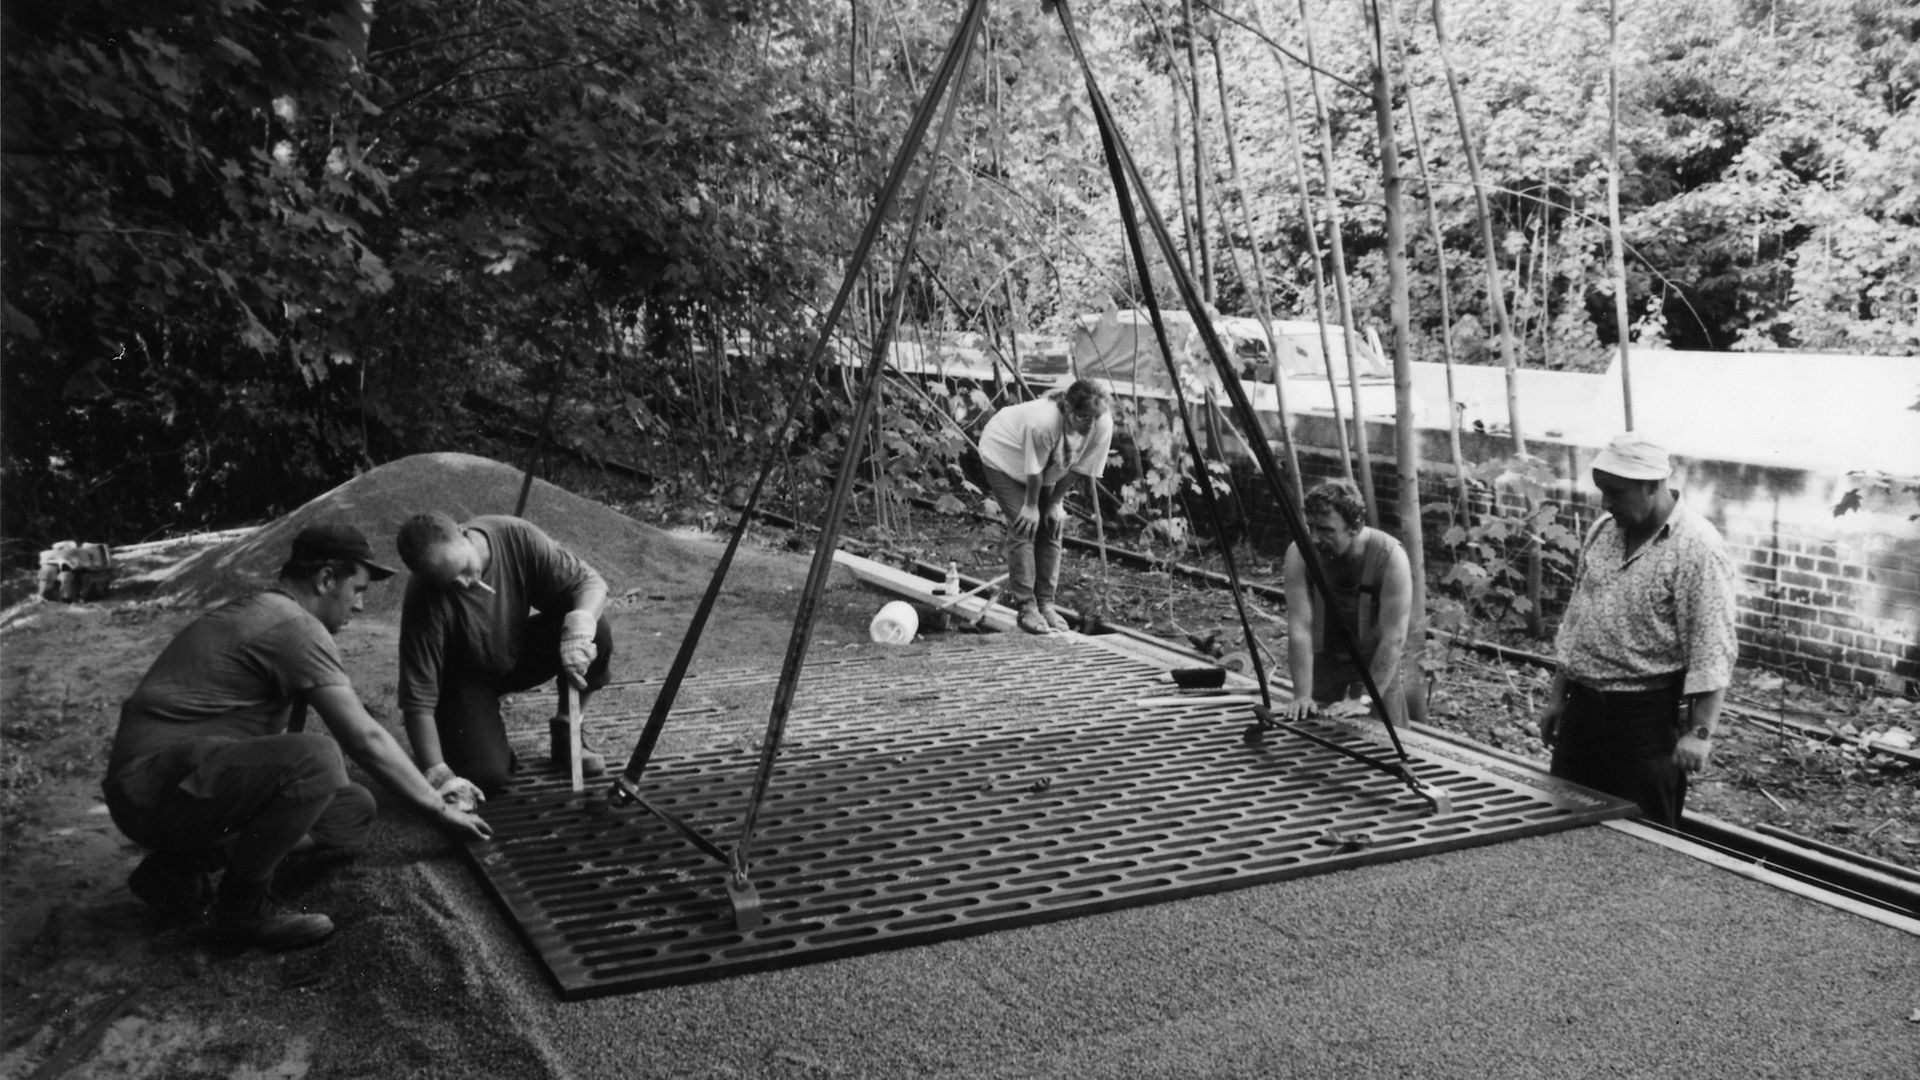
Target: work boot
1055	620
247	915
1031	620
180	892
592	763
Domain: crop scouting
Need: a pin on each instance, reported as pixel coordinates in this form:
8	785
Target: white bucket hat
1633	456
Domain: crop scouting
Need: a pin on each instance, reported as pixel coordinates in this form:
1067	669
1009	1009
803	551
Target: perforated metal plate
938	791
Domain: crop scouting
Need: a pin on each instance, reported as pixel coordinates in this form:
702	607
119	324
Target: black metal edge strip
1804	864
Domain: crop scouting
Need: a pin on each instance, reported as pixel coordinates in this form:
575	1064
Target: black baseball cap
337	540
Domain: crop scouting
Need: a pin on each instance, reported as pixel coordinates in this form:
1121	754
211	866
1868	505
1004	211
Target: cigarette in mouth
484	587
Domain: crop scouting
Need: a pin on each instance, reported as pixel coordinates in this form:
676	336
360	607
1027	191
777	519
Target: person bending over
1032	452
206	772
494	606
1372	588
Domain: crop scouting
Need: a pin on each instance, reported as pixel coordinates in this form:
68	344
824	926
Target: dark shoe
258	919
559	743
1055	620
178	892
1032	621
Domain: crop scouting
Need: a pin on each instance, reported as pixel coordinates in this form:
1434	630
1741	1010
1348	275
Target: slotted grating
931	793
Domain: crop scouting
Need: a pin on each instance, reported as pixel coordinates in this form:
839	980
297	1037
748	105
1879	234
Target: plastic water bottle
941	618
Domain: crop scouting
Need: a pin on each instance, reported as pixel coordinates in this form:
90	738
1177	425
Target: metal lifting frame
747	907
1126	174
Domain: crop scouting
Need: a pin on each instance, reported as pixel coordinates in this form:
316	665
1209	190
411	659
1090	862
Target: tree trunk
1180	166
1406	435
1259	272
1312	232
1496	299
1613	204
1364	463
1496	296
1545	266
1440	275
1199	155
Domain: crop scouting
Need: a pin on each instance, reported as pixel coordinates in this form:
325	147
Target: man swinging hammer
494	606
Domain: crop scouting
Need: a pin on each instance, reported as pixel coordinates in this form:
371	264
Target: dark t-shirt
466	631
233	673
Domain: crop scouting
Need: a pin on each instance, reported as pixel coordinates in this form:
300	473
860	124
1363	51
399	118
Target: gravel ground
1844	794
1568	955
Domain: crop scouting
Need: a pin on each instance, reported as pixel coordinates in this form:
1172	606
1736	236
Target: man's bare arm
424	734
1396	614
377	751
1299	634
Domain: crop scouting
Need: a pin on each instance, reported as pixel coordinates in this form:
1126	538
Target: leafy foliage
1488	579
172	232
249	248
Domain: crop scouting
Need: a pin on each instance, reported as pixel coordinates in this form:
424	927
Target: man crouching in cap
205	772
1646	648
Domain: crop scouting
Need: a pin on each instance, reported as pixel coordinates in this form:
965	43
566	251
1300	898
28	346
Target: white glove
462	795
576	646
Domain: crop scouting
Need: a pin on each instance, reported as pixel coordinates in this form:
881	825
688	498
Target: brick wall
1822	596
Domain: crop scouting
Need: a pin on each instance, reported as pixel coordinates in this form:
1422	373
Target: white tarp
1119	348
1829	413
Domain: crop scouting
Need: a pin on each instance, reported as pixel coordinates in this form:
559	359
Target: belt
1663	685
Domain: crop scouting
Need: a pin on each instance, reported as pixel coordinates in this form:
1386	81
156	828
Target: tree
185	247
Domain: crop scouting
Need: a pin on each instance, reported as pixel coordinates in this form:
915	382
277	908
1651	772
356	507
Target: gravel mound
626	552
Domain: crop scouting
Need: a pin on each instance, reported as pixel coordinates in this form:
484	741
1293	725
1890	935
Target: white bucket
895	624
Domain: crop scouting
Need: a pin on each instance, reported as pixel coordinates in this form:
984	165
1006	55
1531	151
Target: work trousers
473	737
1033	562
244	804
1622	743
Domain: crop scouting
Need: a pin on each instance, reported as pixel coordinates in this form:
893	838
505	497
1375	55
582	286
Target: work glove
462	795
576	646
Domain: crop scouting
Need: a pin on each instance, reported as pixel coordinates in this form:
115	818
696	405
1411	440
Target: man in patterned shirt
1646	648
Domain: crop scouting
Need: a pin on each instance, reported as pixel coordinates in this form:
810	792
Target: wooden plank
919	590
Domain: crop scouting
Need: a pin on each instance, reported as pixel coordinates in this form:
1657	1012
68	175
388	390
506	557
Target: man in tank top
1372	595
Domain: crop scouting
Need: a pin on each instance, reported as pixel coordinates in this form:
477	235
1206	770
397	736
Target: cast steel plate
935	791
